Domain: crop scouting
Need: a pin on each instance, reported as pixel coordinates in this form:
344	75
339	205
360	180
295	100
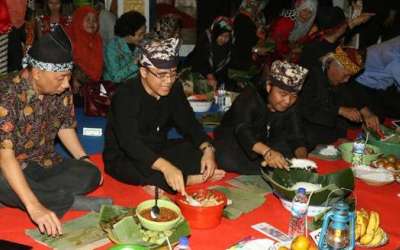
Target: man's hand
174	178
276	160
363	18
46	220
301	152
351	114
208	164
370	120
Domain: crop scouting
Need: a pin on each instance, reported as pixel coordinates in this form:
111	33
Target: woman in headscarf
121	53
209	60
248	26
293	27
52	16
87	46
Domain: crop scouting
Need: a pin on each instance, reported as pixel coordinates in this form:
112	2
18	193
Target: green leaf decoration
252	183
282	181
243	201
128	231
389	146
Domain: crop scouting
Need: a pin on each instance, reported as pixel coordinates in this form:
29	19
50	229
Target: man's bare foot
150	189
197	179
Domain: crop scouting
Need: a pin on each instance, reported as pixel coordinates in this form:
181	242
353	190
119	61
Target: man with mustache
137	150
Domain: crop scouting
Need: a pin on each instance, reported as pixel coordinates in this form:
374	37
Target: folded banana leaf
80	233
282	181
390	145
243	200
252	183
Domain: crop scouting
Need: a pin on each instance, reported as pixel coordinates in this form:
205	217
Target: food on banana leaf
302	163
338	185
390	144
205	199
309	187
166	214
123	227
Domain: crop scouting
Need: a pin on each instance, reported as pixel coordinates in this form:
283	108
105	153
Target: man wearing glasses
143	110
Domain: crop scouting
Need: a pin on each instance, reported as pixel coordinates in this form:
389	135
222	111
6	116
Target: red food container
202	217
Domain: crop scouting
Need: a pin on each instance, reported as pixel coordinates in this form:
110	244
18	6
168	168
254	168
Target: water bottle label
358	147
299	209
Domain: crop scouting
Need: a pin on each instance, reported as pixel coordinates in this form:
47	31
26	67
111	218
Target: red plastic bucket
202	217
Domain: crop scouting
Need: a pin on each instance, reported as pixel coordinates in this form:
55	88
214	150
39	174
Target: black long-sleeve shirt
138	123
319	101
249	121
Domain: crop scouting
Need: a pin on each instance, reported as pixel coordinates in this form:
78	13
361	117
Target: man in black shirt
262	126
143	110
328	103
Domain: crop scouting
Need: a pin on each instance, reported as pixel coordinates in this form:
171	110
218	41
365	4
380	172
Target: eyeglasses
165	75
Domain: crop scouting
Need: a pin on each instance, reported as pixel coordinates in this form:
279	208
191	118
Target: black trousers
54	187
317	134
180	153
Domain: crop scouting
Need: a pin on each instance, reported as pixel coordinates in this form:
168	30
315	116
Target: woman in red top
52	16
293	26
87	46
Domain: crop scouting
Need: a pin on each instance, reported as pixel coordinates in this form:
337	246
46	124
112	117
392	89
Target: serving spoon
155	210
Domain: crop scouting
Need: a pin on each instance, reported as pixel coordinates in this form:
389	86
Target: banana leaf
243	200
389	146
282	181
80	233
123	227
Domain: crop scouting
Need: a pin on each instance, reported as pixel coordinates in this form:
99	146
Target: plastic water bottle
358	151
183	244
221	94
299	214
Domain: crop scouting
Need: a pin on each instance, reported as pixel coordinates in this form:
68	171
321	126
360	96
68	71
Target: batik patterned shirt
28	124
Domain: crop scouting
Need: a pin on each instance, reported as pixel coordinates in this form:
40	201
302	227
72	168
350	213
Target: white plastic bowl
373	176
200	106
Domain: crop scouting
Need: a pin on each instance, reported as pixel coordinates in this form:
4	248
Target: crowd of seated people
305	87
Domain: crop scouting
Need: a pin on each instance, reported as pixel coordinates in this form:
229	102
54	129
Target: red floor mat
382	199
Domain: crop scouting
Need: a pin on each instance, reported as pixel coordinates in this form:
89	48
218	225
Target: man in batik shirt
35	107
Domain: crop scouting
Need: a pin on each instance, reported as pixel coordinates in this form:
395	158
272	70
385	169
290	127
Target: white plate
373	176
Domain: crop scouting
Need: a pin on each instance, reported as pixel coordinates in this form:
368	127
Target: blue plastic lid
183	241
301	190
